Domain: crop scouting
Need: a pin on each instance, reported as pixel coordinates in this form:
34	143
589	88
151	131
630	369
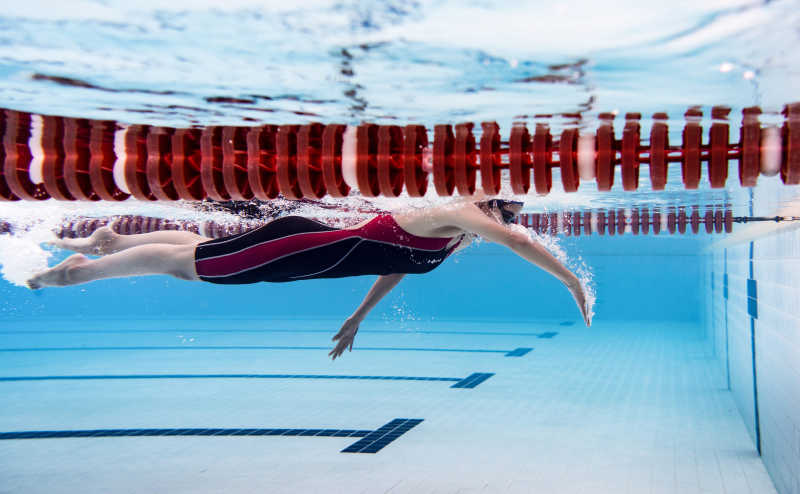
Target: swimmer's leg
175	260
105	241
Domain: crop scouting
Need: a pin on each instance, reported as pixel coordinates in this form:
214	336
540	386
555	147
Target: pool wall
753	295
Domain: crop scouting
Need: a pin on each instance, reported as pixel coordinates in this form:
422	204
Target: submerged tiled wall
754	327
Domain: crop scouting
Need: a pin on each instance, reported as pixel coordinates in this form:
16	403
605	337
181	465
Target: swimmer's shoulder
433	222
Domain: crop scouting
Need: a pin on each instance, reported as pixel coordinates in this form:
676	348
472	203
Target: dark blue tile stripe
518	352
371	442
473	380
223	376
233	330
240	347
752	298
752	310
725	283
181	432
727	349
380	438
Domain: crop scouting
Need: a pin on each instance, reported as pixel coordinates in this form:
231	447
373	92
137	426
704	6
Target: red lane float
80	159
659	146
53	160
790	162
606	152
692	141
490	161
102	160
542	159
694	220
390	161
159	162
186	159
568	158
262	152
286	165
520	159
682	221
17	159
443	145
630	152
641	221
750	142
135	162
234	160
718	143
416	141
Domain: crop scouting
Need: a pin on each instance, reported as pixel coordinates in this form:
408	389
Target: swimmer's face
508	211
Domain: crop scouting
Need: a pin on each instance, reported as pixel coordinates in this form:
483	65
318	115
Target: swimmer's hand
576	289
346	335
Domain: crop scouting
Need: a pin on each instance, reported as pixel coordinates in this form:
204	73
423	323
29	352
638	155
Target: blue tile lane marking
473	380
752	310
181	432
513	353
548	334
518	352
727	353
380	438
222	376
752	298
725	285
470	381
372	442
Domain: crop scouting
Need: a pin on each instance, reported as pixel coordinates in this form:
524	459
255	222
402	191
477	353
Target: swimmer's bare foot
58	275
97	243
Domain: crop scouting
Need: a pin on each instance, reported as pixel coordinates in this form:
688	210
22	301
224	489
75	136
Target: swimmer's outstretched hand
576	289
346	335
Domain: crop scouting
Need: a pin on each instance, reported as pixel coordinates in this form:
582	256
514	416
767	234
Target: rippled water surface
392	61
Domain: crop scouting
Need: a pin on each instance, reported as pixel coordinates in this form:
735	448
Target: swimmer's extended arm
347	333
470	218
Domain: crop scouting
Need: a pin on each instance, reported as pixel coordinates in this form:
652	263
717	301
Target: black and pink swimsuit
296	248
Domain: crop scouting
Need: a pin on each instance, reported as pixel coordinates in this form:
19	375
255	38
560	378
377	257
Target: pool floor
256	406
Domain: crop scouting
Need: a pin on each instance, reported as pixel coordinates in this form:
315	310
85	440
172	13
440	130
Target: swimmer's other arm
472	219
347	333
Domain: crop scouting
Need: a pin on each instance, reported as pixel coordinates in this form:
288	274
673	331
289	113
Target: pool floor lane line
470	381
371	442
378	439
517	352
544	335
473	380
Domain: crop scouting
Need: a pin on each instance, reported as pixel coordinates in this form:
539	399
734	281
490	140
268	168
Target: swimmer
294	248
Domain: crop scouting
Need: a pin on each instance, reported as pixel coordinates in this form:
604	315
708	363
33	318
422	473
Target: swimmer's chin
33	286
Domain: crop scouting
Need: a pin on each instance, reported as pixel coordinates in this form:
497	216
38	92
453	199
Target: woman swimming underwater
295	248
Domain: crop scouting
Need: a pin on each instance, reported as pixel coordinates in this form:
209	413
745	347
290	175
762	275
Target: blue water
636	403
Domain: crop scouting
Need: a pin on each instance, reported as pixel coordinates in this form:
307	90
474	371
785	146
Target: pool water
476	377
